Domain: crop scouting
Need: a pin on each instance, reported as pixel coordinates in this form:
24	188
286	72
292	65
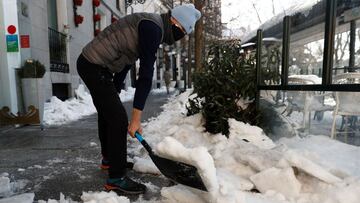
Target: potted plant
31	74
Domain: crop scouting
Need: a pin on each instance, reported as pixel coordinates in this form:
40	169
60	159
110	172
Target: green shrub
226	78
32	69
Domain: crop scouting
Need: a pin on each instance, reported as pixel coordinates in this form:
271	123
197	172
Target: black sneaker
124	184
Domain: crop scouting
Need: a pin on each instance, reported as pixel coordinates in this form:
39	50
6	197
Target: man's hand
135	123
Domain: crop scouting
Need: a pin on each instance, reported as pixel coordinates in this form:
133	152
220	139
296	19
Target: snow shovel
178	172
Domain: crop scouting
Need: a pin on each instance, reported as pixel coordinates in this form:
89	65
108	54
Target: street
65	158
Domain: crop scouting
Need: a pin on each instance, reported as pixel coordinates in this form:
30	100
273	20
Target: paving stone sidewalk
66	158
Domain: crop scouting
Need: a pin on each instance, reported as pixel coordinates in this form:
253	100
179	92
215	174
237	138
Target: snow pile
59	112
23	198
284	181
328	153
103	197
308	79
8	187
8	190
4	185
314	169
247	160
162	90
127	95
91	197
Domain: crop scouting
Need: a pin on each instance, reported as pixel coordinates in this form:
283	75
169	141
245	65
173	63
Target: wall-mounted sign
12	43
24	41
11	29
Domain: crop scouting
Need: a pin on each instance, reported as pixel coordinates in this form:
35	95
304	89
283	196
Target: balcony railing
57	46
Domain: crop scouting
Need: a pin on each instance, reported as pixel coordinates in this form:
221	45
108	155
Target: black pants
112	117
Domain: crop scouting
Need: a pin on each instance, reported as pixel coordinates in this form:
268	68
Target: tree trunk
199	28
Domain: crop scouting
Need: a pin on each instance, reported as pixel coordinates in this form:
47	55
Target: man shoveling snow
135	36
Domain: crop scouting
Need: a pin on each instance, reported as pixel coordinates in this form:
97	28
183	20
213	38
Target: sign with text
24	41
12	43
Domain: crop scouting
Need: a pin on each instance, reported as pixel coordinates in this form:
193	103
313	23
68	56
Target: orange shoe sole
104	167
109	188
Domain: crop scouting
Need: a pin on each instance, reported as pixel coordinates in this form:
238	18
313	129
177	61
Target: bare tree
273	7
341	45
199	35
257	13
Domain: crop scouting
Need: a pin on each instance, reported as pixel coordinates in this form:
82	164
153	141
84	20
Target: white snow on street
313	169
57	112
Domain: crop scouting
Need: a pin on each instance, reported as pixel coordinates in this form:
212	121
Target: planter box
34	94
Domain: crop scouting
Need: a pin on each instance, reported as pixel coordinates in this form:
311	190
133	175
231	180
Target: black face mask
177	32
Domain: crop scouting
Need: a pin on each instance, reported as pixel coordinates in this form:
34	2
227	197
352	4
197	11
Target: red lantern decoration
113	19
97	31
79	19
97	17
78	2
96	3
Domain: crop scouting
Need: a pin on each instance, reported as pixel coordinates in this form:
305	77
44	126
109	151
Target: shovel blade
179	172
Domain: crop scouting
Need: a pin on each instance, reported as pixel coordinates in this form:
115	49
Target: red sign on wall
11	29
25	41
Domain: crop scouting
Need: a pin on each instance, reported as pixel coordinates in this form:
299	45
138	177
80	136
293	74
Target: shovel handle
139	137
144	143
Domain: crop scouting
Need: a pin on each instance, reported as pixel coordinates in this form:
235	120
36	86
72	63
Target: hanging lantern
78	19
113	19
78	2
97	17
96	3
97	31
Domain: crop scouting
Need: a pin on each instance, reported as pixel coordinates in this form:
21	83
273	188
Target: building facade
52	32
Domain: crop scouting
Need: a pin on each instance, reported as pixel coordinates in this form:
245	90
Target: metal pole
258	66
285	51
184	69
330	26
352	45
189	63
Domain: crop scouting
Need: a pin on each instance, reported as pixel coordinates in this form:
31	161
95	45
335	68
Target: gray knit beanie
186	15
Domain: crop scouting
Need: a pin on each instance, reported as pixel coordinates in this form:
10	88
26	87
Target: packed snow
57	112
250	160
308	79
9	188
247	167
